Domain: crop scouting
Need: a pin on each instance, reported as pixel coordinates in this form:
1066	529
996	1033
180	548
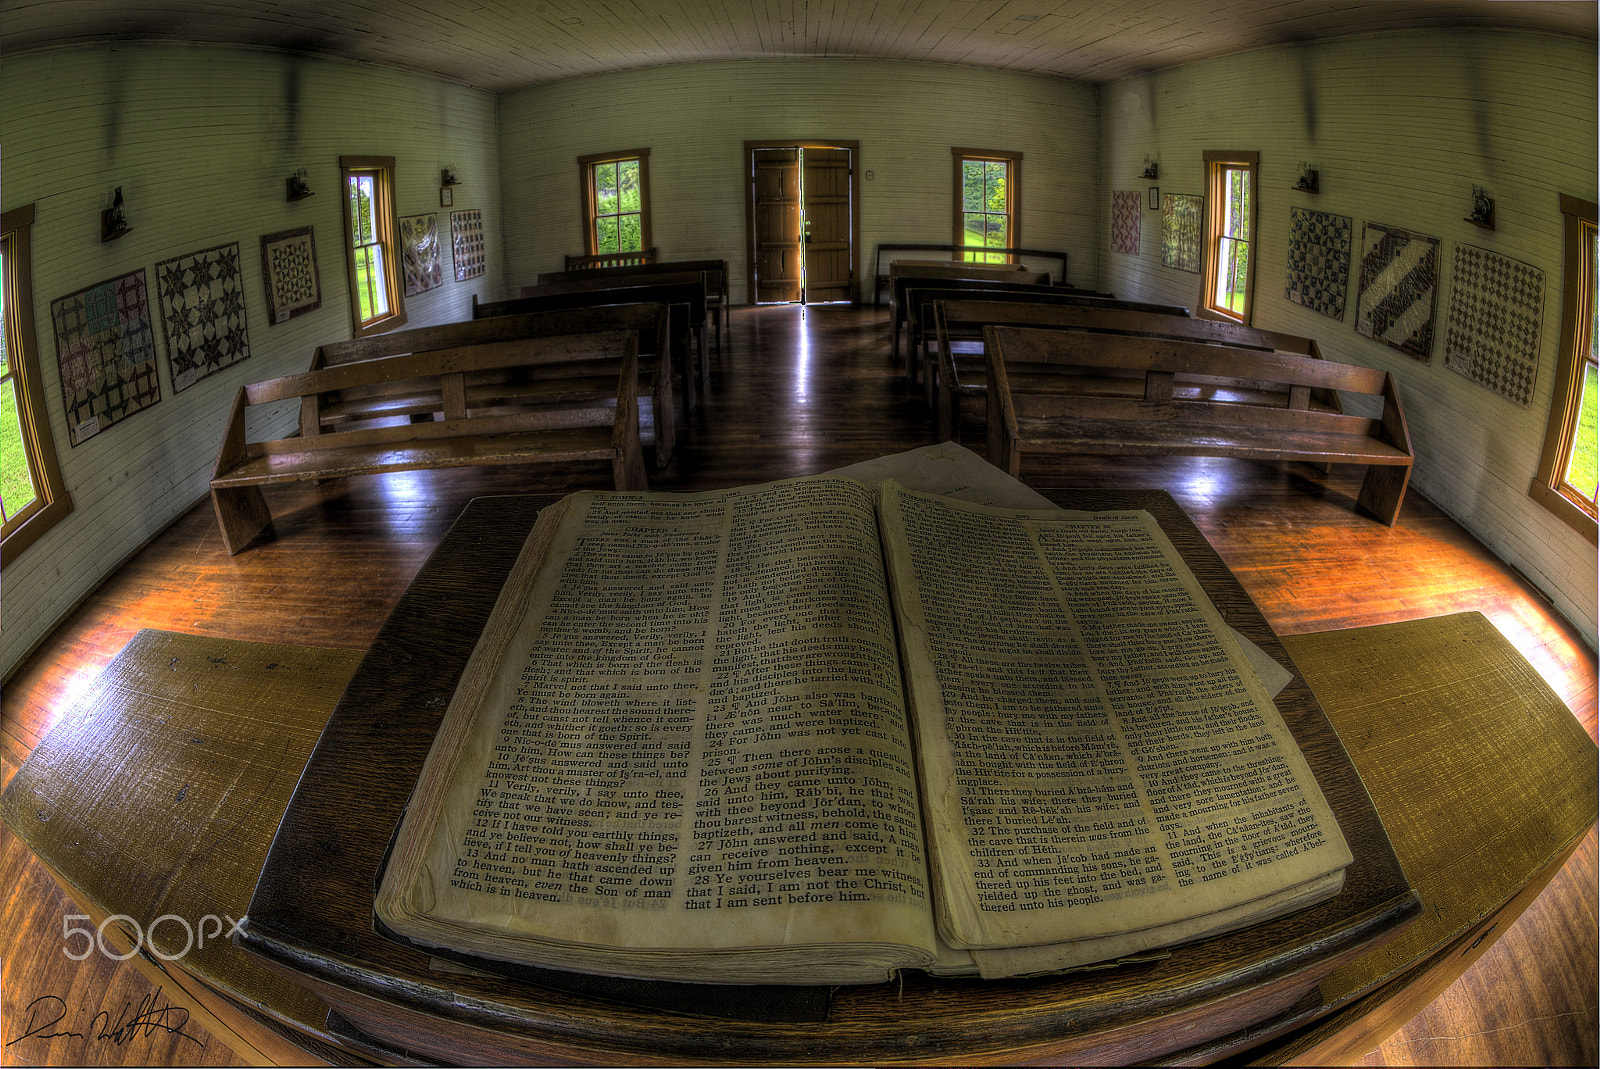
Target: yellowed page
1097	756
691	758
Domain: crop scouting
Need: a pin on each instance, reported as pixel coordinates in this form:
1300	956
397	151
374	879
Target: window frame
51	502
386	229
1217	165
590	209
1579	284
1013	212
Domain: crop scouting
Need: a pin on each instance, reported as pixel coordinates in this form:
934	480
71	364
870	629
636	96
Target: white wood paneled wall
695	118
201	140
1400	127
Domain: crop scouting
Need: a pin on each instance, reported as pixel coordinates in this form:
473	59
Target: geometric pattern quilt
1399	288
1492	333
106	349
466	243
289	272
202	310
1180	230
419	253
1319	260
1125	208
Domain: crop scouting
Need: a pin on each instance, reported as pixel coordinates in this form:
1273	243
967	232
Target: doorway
803	227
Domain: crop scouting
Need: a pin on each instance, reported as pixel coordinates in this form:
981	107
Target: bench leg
241	513
1383	490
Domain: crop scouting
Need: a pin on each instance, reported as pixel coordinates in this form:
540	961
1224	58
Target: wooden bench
1075	392
923	354
962	368
904	274
525	423
594	261
685	291
657	418
715	273
893	251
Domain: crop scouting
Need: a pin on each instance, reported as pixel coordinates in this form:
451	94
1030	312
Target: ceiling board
499	45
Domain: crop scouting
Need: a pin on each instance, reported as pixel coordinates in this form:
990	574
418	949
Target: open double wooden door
802	221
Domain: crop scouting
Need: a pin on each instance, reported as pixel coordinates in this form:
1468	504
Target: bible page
1095	757
688	750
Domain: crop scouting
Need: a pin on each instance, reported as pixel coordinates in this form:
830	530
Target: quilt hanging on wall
289	270
201	297
1399	288
1492	333
1180	230
1319	260
1126	205
466	243
106	348
419	253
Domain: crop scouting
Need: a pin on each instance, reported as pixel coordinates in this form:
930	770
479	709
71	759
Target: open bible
812	732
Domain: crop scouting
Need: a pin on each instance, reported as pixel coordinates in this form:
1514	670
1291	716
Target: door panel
826	191
776	209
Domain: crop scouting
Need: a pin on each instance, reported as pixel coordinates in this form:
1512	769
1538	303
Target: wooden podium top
311	915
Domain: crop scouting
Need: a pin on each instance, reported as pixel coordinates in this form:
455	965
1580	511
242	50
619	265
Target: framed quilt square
1319	260
419	253
201	296
1125	216
1399	288
466	243
1181	214
289	271
1492	333
106	349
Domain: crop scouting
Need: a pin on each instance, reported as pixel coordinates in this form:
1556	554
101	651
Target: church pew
532	423
907	273
715	272
1076	392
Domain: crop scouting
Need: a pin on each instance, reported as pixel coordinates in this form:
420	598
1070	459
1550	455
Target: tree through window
1567	477
986	187
616	201
33	496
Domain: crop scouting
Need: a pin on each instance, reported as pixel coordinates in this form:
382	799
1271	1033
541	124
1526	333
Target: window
33	497
1230	262
1566	480
986	195
376	300
616	201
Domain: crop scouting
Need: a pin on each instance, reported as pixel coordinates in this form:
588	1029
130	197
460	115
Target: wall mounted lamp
1149	169
1307	182
114	220
297	186
1482	209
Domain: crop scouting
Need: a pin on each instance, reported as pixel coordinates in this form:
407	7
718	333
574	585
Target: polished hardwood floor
802	390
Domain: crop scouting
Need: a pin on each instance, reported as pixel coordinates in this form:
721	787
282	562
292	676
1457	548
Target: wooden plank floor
799	391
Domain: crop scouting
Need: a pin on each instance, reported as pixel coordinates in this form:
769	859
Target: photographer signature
152	1015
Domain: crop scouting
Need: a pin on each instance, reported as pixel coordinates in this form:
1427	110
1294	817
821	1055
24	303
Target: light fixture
297	186
1307	182
1482	209
447	177
114	220
1149	169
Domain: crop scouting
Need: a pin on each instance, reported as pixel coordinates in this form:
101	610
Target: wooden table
1426	742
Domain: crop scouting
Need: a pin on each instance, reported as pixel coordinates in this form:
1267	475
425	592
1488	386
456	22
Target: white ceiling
506	44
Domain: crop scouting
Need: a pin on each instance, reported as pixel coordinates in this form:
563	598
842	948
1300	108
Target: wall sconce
1307	182
297	186
447	177
1482	209
113	220
1149	169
